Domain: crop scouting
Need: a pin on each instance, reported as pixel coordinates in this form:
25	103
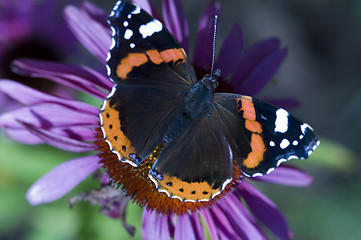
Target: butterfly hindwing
267	135
198	164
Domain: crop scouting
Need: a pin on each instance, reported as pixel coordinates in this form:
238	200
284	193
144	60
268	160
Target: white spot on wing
304	127
150	28
284	143
295	143
136	10
125	23
272	143
132	45
281	123
128	34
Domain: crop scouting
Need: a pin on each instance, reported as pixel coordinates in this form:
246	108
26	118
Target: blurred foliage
20	166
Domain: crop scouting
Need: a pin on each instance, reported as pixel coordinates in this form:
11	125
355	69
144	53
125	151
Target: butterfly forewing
142	43
265	135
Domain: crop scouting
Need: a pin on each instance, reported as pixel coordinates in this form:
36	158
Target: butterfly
158	104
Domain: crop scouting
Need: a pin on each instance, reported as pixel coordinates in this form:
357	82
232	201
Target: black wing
261	135
150	70
197	165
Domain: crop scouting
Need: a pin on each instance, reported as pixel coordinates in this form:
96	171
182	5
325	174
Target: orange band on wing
253	126
255	157
154	56
247	107
137	59
258	148
132	60
111	127
195	191
174	55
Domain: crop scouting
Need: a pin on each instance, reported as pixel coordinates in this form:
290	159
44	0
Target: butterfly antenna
214	42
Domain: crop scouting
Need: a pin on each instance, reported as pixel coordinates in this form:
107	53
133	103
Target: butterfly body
158	103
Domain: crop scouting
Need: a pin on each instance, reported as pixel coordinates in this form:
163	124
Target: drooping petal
188	227
203	51
62	179
23	136
262	74
241	220
62	142
98	14
255	66
265	210
47	116
30	96
78	77
230	52
92	34
155	226
176	21
147	6
219	225
287	175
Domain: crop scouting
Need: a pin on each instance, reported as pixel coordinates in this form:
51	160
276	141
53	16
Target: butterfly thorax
197	102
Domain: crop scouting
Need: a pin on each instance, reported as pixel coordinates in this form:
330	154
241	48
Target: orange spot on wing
255	157
174	55
132	60
154	56
253	126
247	107
195	191
113	133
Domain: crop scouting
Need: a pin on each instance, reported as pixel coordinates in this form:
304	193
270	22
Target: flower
72	125
33	29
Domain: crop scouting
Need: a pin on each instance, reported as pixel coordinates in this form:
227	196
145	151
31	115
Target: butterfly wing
261	135
150	70
197	165
142	46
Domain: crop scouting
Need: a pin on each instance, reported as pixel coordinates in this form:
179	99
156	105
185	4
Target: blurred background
322	70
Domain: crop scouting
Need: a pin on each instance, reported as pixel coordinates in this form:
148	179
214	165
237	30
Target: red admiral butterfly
158	103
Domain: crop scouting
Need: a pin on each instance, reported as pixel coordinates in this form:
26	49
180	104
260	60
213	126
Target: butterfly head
211	80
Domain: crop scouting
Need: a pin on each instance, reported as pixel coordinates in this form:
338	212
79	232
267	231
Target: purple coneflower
240	212
33	29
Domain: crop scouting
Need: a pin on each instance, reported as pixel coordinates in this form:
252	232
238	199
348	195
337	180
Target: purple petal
92	34
286	103
203	50
287	175
231	50
47	115
211	225
97	13
77	77
251	61
30	96
61	180
58	141
241	220
263	72
265	210
23	136
176	21
218	224
188	227
155	226
149	8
